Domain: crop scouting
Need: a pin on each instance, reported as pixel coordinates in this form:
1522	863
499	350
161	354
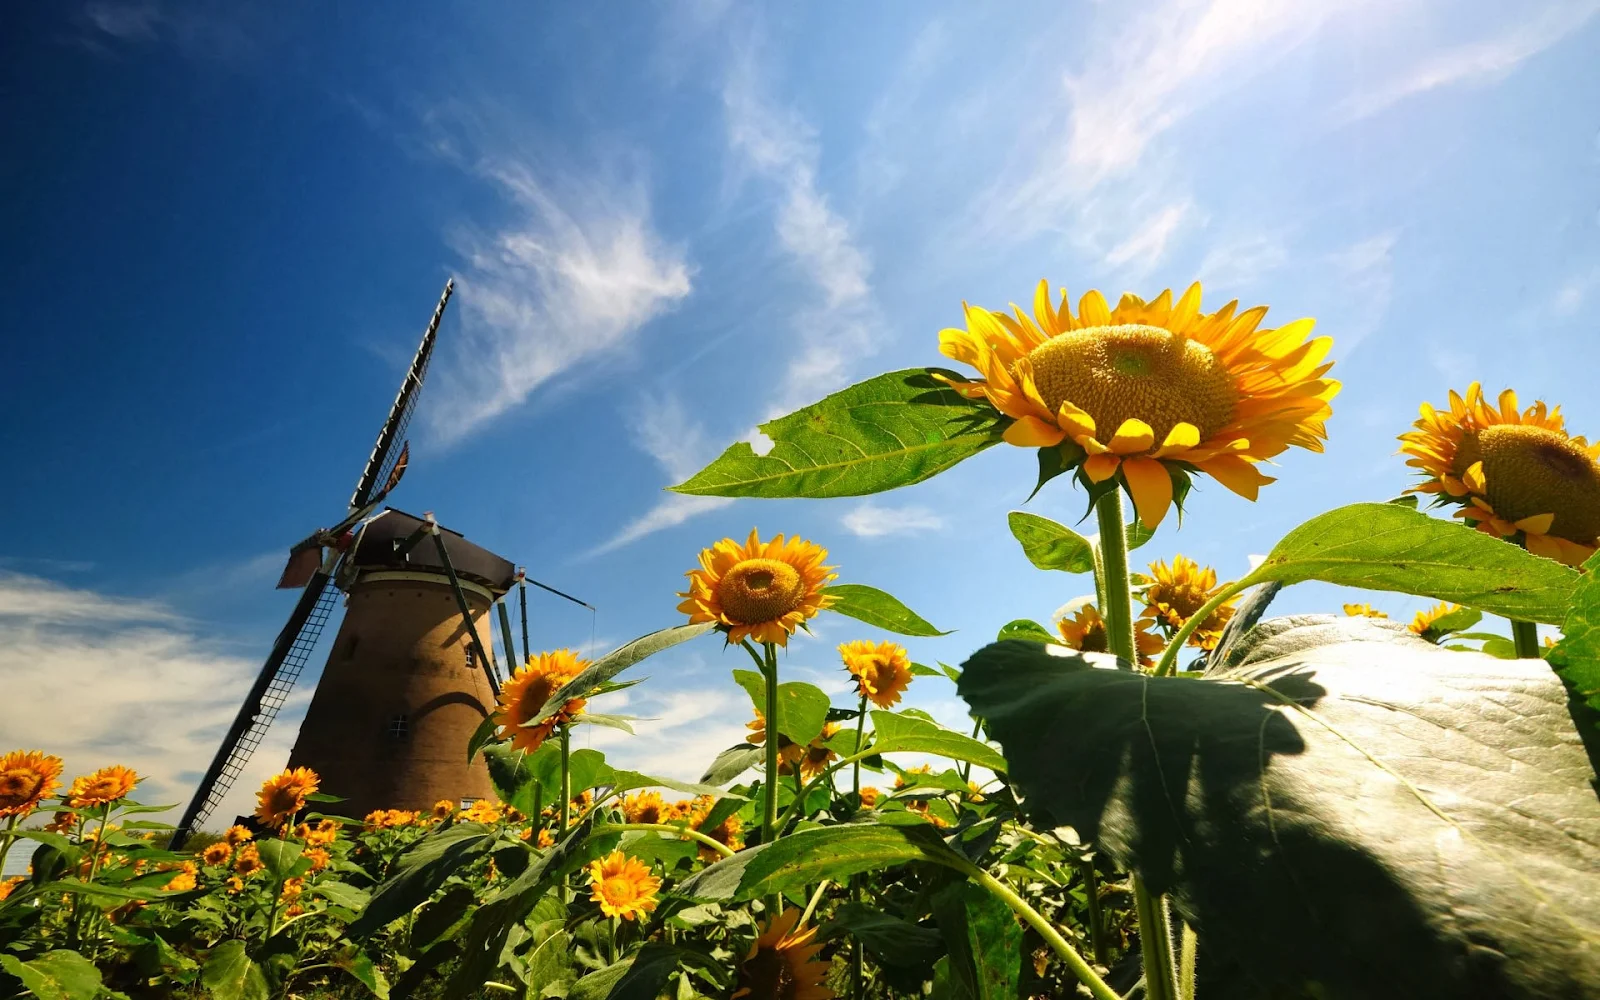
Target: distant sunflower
63	821
1149	392
1363	611
1425	624
546	839
26	778
184	880
782	965
324	831
882	670
1085	631
645	807
1515	474
622	886
728	833
319	858
481	811
283	795
525	694
789	752
869	797
1175	593
217	854
247	860
817	756
9	885
443	809
102	787
237	835
760	590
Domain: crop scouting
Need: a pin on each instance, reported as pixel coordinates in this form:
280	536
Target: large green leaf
279	856
890	940
56	975
626	781
1024	628
420	872
873	606
802	708
1348	806
615	662
984	939
638	977
893	732
893	430
1577	656
343	894
1051	545
1384	546
733	762
831	852
230	973
515	773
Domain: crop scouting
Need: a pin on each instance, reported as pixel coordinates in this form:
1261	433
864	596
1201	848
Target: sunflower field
1165	793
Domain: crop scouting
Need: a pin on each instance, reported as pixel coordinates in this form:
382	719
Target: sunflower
728	833
782	965
1175	593
292	888
622	886
546	839
1514	473
789	752
237	835
184	880
248	860
26	777
1085	631
645	807
443	809
9	885
481	811
326	831
283	795
217	854
869	797
759	590
1149	392
817	756
900	779
882	670
63	822
1425	624
1363	611
104	786
319	858
920	807
525	694
235	885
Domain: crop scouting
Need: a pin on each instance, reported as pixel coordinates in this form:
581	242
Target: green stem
827	773
861	726
1187	951
1155	939
811	907
1085	973
1169	659
769	814
858	969
1097	920
681	831
11	826
1525	636
566	777
966	765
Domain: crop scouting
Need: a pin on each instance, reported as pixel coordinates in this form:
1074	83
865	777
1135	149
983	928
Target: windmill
409	677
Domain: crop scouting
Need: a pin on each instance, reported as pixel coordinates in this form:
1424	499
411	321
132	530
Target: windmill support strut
466	612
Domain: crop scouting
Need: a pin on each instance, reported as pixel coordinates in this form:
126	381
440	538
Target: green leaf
515	773
876	608
586	769
802	708
1051	545
719	882
1384	546
56	975
830	852
894	732
360	965
1023	628
921	670
890	940
443	916
68	850
323	797
1341	767
615	662
230	973
343	894
279	855
1577	656
893	430
624	781
1458	620
733	762
420	872
621	722
639	977
984	939
484	735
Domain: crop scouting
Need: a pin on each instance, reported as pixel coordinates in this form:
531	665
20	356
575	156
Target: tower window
399	727
472	659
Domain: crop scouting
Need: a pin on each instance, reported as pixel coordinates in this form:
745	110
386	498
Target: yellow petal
1538	524
1031	432
1101	467
1473	479
1236	474
1132	437
1093	311
1151	487
1075	421
1181	438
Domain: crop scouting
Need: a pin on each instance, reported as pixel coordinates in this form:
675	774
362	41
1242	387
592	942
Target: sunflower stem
566	795
769	813
811	907
1168	664
681	831
1525	636
1188	949
1097	920
11	826
861	727
1155	935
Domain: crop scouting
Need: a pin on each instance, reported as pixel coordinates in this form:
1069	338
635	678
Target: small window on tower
399	727
472	661
467	801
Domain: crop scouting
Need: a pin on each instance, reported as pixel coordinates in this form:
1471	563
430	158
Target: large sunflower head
623	886
782	965
1145	394
283	795
525	694
26	778
1515	473
217	854
1085	631
104	786
759	590
645	807
882	670
1175	593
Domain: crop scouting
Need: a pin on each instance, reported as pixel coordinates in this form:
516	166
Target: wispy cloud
578	275
128	22
1147	244
1574	292
1240	262
1483	61
870	520
1365	270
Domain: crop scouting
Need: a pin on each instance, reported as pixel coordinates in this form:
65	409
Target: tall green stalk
1155	931
769	815
858	972
1525	637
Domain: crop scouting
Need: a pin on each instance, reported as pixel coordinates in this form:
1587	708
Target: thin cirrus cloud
870	520
578	275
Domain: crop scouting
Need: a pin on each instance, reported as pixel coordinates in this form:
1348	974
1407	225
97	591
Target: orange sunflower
1149	392
443	809
728	833
869	797
102	787
217	854
26	778
184	880
1364	611
760	590
783	965
481	811
622	886
237	835
882	670
1085	631
1514	473
1176	592
247	861
817	756
525	695
283	795
645	807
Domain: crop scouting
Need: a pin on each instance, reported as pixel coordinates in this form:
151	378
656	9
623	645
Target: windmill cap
375	550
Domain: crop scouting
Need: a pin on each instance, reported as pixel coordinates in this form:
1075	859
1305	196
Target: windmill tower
409	677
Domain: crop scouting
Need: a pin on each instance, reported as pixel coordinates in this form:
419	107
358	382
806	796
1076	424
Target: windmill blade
382	465
290	653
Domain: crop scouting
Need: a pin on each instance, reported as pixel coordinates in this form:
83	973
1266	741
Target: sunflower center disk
1184	599
760	590
618	891
1117	373
1531	471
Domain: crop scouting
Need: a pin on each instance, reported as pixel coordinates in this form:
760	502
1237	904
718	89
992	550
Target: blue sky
669	222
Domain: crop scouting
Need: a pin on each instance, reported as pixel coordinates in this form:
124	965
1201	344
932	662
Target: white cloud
1484	61
1145	247
685	731
579	275
869	520
124	21
99	679
1574	292
1240	262
1365	271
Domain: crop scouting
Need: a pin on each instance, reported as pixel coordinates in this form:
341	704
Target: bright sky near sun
226	225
